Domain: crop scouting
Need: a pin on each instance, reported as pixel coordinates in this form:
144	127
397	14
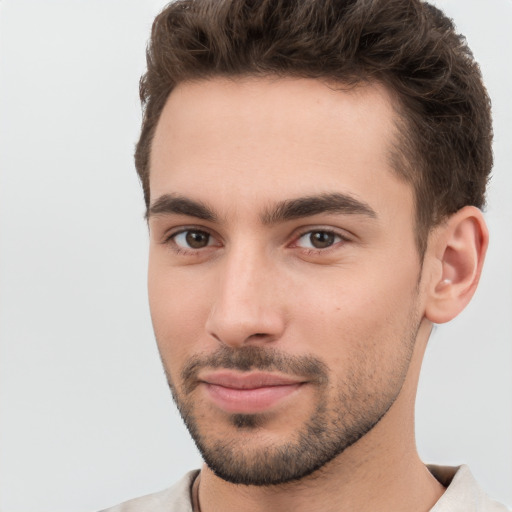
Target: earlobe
459	249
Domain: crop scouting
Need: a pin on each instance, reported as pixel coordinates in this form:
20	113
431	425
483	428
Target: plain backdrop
86	417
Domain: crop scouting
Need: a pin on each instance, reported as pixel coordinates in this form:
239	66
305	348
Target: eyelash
312	250
170	240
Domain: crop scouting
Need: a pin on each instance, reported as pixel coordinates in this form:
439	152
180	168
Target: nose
246	308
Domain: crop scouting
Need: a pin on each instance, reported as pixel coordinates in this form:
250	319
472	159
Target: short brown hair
410	46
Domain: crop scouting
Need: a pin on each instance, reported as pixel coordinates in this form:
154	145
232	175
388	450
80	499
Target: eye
192	239
319	239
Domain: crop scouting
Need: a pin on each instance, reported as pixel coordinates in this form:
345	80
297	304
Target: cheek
179	311
350	315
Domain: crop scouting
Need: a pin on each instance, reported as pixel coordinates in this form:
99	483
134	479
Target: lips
248	393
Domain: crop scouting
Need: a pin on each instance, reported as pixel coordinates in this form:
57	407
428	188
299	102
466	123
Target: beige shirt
463	494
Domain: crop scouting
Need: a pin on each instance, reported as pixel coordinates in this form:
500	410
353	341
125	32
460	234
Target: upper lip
230	379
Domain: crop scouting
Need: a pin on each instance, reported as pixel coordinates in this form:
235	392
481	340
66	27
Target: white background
86	417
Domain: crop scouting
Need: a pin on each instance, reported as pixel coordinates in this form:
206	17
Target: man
313	174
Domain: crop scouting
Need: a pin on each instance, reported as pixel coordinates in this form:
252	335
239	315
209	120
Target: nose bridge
245	308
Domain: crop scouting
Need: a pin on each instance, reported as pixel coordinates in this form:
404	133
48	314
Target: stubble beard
329	430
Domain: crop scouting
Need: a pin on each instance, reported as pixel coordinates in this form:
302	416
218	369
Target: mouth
248	393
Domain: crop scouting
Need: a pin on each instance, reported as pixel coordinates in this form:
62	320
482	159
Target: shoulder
174	499
463	494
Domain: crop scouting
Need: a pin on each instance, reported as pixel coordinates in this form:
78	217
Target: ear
457	250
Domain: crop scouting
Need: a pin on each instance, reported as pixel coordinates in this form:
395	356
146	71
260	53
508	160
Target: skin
363	305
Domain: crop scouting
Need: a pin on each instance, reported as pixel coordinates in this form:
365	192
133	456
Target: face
283	274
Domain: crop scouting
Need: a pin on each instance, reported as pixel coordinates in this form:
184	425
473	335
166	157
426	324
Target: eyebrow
283	211
314	205
180	205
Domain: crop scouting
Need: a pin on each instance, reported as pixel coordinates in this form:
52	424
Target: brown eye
321	239
318	239
197	239
192	239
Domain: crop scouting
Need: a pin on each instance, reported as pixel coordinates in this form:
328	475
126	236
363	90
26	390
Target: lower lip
249	401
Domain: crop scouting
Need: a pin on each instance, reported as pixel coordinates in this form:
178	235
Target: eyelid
342	234
169	236
172	232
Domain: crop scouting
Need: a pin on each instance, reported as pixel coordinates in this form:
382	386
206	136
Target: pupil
321	239
197	239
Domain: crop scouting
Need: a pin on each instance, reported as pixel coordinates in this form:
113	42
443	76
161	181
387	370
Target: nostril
259	336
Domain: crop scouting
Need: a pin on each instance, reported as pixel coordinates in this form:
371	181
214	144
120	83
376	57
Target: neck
382	471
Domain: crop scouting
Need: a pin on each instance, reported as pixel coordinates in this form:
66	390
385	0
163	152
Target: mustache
249	358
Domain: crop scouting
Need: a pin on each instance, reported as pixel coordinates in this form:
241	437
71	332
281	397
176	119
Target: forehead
270	138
